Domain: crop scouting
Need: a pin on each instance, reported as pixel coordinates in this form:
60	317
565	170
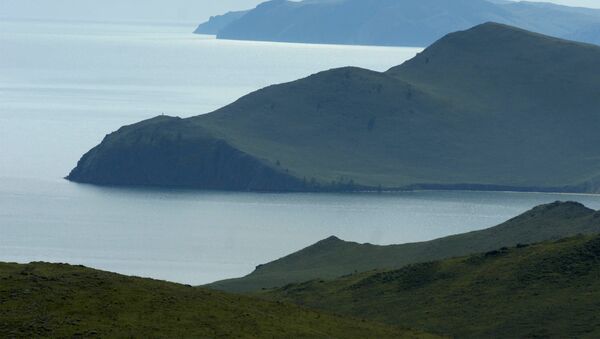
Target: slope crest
332	258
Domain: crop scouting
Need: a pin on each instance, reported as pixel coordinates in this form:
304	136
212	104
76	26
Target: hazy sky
183	11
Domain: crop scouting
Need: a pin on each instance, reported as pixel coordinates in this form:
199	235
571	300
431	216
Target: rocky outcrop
166	152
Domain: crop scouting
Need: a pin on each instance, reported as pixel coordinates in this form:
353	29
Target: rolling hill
42	300
332	257
392	22
548	290
493	107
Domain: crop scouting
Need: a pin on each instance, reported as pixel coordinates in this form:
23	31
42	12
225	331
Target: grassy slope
523	135
50	300
333	257
461	114
549	290
339	125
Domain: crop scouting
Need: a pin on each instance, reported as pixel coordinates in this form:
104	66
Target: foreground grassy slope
493	107
549	290
332	257
50	300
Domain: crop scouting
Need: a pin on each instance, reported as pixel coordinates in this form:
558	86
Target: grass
493	107
332	257
56	300
547	290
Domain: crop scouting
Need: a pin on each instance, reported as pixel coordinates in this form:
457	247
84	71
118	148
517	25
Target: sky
168	11
181	11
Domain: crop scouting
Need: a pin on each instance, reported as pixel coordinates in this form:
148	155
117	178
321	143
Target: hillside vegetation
549	290
395	23
493	107
332	257
59	301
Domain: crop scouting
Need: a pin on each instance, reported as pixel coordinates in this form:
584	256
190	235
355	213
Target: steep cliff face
217	23
166	151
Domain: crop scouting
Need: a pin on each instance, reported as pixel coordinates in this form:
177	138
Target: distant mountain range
396	23
332	258
493	107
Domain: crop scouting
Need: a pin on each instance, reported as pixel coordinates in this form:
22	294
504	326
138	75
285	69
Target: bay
64	85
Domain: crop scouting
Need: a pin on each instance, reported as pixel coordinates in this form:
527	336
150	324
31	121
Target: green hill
332	257
60	301
549	290
493	107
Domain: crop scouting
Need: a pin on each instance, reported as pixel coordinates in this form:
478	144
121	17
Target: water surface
63	86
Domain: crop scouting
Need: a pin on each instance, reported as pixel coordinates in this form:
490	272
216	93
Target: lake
63	86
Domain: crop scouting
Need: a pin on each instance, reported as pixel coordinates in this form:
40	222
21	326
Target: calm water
64	86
